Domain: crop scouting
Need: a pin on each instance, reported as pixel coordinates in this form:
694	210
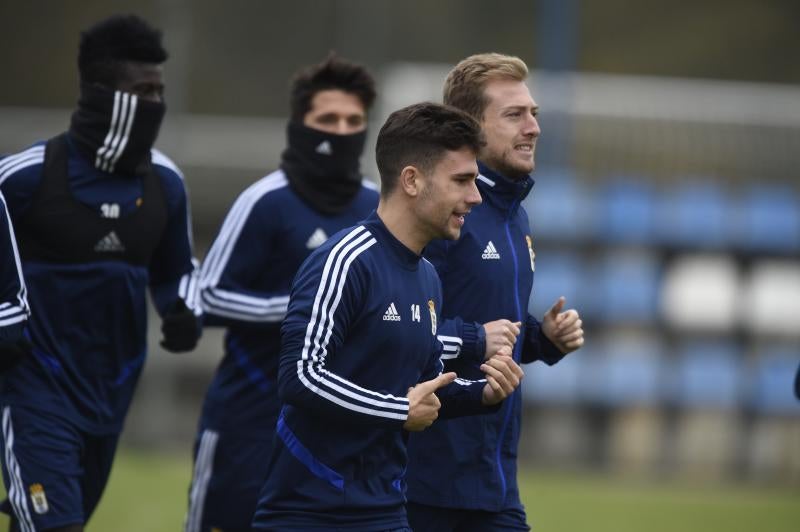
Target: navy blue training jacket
360	330
245	284
486	275
89	320
14	309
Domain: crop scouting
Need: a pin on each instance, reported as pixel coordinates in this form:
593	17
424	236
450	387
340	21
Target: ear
410	181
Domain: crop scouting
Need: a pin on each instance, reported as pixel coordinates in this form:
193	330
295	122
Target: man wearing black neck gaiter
246	276
100	217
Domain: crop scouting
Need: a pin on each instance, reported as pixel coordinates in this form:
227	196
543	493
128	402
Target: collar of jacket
405	257
502	191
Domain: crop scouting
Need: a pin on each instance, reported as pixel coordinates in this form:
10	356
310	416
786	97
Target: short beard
506	171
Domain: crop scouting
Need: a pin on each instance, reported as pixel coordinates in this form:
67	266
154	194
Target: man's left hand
503	376
181	328
564	329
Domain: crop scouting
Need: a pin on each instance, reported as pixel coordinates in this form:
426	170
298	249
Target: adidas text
490	252
391	313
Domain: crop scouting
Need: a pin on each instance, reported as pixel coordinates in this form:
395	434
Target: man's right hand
423	405
501	335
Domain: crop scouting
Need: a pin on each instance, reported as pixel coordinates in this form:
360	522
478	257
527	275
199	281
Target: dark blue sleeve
14	309
464	340
537	346
235	263
173	270
20	176
460	398
325	300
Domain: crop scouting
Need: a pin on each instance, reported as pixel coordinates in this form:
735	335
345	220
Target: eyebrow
522	107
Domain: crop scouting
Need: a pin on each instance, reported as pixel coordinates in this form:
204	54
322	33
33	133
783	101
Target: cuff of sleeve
473	338
12	333
550	354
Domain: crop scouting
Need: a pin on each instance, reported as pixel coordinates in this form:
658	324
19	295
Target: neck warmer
323	168
115	130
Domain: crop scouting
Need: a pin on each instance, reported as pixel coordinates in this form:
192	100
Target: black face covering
115	130
323	167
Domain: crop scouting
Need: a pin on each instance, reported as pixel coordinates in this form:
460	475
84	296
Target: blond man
462	472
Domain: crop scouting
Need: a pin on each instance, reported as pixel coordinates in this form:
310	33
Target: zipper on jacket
509	407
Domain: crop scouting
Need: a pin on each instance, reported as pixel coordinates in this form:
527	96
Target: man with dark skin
100	217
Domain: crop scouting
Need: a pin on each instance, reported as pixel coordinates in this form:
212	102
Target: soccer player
360	361
462	473
14	309
99	217
270	230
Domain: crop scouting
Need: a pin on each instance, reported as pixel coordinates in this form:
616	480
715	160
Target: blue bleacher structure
625	212
558	206
769	220
558	274
707	374
772	382
624	288
623	373
556	384
695	214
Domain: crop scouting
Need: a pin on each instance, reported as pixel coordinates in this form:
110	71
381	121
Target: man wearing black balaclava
246	276
100	216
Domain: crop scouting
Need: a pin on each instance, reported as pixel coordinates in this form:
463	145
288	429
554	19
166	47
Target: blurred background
666	210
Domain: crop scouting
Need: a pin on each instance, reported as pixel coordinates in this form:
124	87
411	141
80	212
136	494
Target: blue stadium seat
769	219
695	214
623	372
557	274
773	381
558	206
625	213
625	288
708	374
555	384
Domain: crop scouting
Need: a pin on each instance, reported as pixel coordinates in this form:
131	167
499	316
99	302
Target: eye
355	120
327	119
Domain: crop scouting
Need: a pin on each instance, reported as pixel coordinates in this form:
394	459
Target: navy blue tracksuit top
14	309
245	284
486	275
359	331
89	319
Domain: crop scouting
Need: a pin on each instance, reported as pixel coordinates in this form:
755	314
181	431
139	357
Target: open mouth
524	148
460	217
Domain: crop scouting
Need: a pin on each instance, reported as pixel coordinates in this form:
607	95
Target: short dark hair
334	73
108	44
420	135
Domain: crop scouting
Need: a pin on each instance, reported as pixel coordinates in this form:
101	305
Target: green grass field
147	493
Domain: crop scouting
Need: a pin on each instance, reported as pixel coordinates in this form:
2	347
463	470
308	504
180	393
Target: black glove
12	352
181	328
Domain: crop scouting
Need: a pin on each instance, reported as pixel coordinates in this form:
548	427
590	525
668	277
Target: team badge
531	252
432	309
38	498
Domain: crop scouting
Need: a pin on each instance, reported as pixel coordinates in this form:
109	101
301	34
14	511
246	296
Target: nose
474	197
342	127
532	126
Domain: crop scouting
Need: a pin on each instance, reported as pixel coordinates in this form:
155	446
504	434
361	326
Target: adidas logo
490	252
324	148
109	243
316	239
391	313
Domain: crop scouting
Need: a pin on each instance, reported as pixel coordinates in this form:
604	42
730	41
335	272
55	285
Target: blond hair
465	84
